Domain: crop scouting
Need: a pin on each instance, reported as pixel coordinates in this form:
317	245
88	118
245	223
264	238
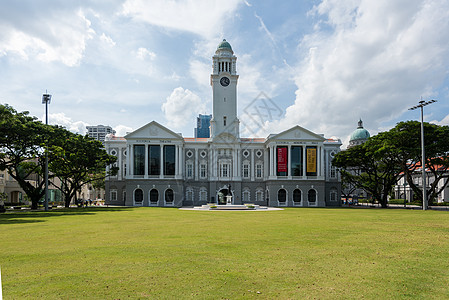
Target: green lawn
132	253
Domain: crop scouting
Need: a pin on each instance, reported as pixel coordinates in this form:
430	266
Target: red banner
282	159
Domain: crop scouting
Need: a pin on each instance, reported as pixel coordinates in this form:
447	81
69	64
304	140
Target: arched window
189	194
333	194
297	196
138	196
169	196
113	193
282	197
203	194
259	195
154	197
311	196
246	195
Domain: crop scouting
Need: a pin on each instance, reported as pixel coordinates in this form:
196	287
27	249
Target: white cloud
62	120
443	122
200	72
265	29
201	17
174	76
107	39
376	58
181	107
205	48
79	126
63	39
122	130
249	77
143	53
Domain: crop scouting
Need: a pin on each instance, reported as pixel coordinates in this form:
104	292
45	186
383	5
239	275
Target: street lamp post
421	105
46	99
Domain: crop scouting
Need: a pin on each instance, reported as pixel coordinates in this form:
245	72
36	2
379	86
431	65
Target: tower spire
224	88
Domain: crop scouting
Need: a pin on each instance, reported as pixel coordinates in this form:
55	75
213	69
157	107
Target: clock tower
224	87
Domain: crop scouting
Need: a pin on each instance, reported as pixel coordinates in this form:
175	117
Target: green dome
360	133
224	45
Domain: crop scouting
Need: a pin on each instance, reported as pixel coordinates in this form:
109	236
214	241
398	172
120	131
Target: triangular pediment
297	133
153	130
225	138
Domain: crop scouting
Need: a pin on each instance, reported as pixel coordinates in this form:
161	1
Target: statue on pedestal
229	196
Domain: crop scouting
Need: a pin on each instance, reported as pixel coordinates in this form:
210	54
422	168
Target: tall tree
78	160
406	138
22	139
372	166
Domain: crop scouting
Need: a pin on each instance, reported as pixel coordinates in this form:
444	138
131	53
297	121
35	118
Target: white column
234	163
321	163
266	167
162	162
210	164
252	165
196	165
181	161
176	161
120	154
131	161
146	162
239	164
213	165
270	166
304	162
289	162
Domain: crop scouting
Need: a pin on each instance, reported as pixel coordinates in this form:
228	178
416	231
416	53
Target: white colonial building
158	167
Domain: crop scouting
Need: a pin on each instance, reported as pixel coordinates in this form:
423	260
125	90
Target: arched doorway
311	197
138	197
297	197
154	197
169	197
221	195
282	197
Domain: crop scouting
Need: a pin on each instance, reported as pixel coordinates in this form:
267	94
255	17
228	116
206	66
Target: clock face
224	81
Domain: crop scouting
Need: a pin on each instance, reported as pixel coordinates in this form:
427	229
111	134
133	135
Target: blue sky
324	64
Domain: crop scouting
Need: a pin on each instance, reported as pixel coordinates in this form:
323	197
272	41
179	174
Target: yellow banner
311	160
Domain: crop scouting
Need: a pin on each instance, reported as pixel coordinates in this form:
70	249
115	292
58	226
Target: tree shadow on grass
27	216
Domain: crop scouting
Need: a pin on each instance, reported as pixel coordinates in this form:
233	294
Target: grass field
132	253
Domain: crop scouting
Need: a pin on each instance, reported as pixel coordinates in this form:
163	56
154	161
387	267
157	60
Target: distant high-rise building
202	126
99	132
